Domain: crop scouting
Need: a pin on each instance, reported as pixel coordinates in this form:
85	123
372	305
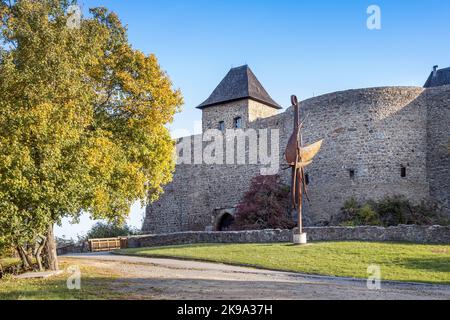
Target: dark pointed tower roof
240	83
438	78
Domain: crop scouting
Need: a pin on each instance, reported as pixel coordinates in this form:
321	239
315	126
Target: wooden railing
101	245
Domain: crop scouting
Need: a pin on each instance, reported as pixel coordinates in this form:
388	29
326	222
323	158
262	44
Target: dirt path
146	278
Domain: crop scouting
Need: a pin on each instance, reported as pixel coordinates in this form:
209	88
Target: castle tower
438	136
438	78
237	101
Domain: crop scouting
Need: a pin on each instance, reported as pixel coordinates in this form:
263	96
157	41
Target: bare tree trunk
51	257
38	252
39	262
26	261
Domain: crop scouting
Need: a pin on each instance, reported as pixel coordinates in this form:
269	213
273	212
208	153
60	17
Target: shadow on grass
435	264
200	245
174	246
56	289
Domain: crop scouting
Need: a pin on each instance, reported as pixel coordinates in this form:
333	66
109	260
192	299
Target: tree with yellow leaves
82	123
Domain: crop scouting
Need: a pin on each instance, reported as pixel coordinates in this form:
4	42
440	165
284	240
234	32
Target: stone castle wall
372	132
438	144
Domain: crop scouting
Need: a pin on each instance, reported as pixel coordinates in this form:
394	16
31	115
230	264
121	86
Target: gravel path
148	278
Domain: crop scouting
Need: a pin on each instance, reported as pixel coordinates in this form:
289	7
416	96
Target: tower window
307	179
238	123
222	126
352	173
403	172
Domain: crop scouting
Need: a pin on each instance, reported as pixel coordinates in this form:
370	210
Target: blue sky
303	47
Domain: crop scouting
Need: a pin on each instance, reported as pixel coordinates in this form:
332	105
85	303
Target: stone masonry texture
373	132
403	233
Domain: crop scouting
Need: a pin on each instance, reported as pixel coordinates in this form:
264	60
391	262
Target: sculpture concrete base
300	238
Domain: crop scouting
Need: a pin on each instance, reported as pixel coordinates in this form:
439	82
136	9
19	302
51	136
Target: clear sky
303	47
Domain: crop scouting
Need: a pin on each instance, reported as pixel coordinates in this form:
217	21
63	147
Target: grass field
95	284
6	262
402	262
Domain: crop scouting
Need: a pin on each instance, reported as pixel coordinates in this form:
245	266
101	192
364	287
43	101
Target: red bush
265	206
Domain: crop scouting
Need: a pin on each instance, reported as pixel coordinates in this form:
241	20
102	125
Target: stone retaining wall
403	233
413	234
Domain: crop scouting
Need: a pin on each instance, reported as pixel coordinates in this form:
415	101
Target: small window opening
403	172
238	123
352	173
307	179
222	126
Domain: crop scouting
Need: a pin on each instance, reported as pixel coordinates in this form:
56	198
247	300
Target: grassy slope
403	262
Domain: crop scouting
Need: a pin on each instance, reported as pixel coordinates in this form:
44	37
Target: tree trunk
51	257
38	253
23	258
39	262
26	261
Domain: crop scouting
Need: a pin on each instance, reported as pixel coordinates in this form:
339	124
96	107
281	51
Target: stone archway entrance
224	218
225	222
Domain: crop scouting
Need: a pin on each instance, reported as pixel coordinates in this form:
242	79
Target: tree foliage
265	206
82	119
110	230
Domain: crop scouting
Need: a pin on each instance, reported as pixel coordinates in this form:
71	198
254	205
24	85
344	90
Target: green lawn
7	262
95	285
402	262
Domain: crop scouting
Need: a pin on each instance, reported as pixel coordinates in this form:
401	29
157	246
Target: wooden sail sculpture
298	157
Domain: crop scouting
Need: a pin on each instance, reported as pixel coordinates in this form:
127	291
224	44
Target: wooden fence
100	245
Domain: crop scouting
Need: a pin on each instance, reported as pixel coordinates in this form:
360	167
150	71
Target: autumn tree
82	122
265	205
